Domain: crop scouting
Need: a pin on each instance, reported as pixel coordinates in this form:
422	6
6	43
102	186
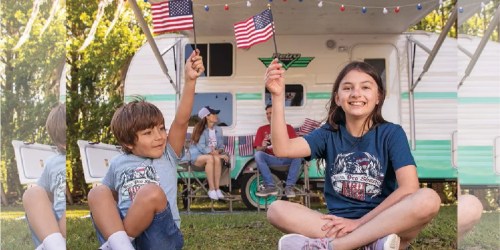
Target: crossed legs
405	218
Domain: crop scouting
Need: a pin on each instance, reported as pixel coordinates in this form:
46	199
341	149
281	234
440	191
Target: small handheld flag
173	15
254	30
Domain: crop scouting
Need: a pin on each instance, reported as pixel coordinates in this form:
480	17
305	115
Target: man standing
264	157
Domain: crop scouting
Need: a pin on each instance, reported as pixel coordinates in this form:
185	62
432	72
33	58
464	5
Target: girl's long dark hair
336	114
198	130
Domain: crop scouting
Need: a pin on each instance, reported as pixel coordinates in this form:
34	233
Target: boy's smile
150	142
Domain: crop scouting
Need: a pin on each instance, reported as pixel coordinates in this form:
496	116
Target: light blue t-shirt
359	172
128	173
53	180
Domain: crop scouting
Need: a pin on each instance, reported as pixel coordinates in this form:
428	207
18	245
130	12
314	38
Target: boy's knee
152	194
32	193
99	193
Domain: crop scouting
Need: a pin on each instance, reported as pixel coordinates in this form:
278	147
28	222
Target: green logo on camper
288	60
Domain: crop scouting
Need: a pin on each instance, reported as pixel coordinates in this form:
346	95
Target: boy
144	179
45	203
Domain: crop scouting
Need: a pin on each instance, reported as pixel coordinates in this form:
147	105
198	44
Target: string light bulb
397	9
419	6
342	8
206	8
461	9
363	9
385	11
249	4
320	4
226	7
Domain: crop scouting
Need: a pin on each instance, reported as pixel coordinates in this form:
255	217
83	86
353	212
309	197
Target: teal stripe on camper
165	97
430	95
479	100
319	95
248	96
433	159
475	166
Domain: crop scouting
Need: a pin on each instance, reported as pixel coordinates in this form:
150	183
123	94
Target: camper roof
294	17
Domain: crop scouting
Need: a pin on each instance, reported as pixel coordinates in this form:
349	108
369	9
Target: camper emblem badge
288	60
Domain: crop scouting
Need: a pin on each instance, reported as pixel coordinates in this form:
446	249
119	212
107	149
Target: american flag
229	145
308	126
254	30
245	145
173	15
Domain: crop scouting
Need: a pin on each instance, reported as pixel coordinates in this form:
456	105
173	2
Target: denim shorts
35	239
162	233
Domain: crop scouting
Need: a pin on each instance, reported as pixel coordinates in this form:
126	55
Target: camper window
217	58
379	65
294	95
222	101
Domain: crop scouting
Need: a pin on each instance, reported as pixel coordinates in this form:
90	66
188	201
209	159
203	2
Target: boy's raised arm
192	70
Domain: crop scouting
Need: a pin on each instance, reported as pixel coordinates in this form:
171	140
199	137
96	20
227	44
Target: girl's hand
337	226
275	82
194	66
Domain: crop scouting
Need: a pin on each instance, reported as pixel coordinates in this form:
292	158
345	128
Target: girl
371	183
207	149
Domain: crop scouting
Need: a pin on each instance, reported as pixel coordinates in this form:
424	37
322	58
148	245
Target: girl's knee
274	211
427	204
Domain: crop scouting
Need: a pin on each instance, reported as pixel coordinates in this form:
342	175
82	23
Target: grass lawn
485	235
243	229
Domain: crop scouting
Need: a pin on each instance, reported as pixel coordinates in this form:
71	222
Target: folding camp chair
195	180
96	159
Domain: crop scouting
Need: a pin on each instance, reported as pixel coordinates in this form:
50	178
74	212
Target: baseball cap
206	111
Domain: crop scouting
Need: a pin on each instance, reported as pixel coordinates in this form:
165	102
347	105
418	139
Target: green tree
30	81
97	74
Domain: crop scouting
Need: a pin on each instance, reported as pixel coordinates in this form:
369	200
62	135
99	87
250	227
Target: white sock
120	241
54	241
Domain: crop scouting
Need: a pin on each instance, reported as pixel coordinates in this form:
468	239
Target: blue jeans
265	160
162	233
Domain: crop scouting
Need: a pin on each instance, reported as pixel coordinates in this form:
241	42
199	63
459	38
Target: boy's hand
194	66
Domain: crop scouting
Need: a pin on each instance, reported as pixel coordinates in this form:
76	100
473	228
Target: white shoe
213	195
219	194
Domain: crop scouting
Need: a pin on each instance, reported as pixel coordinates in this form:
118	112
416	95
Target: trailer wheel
249	188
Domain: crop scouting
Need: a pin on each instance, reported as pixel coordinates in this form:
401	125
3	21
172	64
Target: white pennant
53	11
118	12
100	13
29	25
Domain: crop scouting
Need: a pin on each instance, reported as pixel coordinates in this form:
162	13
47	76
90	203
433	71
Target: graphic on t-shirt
133	179
60	186
357	175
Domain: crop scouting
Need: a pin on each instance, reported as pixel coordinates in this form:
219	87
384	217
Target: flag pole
194	28
274	34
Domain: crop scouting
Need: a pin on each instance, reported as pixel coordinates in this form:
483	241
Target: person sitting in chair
264	157
207	149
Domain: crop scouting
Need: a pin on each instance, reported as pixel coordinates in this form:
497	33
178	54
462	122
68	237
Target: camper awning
306	17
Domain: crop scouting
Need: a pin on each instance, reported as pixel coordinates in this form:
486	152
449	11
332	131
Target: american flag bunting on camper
254	30
245	145
308	126
173	15
229	145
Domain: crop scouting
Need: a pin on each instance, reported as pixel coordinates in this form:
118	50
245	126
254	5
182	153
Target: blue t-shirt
128	173
359	172
53	180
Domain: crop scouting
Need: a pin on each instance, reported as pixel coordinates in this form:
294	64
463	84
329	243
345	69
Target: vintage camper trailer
419	70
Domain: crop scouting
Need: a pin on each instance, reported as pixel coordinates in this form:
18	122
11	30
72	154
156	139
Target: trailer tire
249	188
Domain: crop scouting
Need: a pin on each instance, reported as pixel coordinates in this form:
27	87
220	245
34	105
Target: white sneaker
219	194
213	195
